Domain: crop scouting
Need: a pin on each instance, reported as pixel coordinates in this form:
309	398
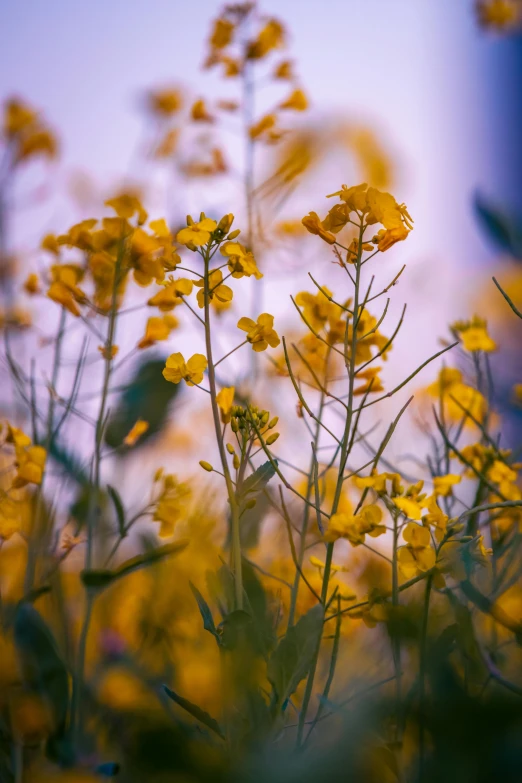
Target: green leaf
263	636
101	578
232	626
501	229
118	507
291	660
146	397
257	480
204	610
195	711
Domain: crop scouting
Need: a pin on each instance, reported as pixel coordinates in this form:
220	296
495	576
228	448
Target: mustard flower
139	429
474	335
176	369
241	262
313	224
217	289
261	334
296	101
197	234
418	555
443	485
225	400
158	328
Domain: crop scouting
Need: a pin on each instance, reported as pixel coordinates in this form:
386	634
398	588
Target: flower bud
250	503
272	438
206	466
233	424
230	448
190	222
225	223
235	462
202	216
273	422
234	234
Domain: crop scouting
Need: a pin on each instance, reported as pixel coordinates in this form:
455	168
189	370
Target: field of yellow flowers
288	600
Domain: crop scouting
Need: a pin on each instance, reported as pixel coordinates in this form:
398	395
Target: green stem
76	712
422	673
234	511
350	366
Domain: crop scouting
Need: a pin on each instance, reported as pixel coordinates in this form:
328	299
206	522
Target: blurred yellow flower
138	429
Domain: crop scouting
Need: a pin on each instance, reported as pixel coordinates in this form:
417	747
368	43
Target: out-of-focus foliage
298	605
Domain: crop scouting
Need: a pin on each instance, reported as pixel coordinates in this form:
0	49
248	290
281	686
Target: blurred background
417	97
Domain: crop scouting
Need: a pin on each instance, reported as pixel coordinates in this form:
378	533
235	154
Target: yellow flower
386	238
382	208
126	205
9	517
500	472
165	102
457	396
355	528
216	289
418	556
474	335
296	101
241	262
225	400
170	296
443	485
32	284
271	37
38	142
337	218
158	328
106	353
50	243
261	334
411	508
499	14
17	117
176	369
320	565
377	481
197	234
200	113
313	224
30	463
222	34
284	70
139	429
64	289
172	504
435	516
372	381
265	124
